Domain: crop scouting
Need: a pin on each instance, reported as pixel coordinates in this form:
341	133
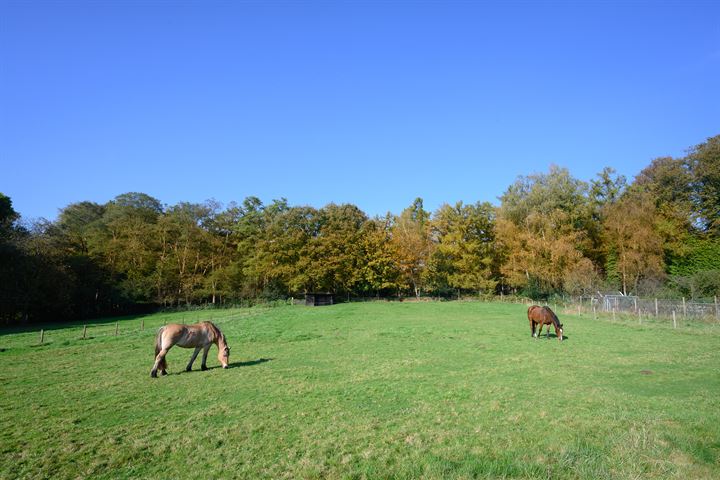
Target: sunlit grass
372	390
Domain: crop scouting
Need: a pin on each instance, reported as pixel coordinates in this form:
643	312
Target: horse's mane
555	319
219	336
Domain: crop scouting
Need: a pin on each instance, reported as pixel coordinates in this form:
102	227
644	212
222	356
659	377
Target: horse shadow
249	363
552	335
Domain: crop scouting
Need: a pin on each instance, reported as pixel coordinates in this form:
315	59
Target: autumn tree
412	245
542	231
634	245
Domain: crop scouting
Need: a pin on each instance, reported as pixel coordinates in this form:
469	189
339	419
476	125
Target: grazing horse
540	316
198	336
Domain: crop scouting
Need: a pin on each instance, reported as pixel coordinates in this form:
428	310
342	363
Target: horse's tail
158	346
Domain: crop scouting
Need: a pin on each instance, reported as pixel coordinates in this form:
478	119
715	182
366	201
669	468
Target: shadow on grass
249	363
552	336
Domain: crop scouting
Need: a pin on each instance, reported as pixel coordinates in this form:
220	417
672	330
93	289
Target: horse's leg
539	329
158	360
532	328
547	332
192	359
205	354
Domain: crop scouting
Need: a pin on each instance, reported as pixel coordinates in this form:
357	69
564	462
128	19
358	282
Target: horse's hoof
153	374
164	372
188	369
204	368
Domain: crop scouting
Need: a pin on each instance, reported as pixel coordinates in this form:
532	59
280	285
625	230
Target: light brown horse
540	316
198	336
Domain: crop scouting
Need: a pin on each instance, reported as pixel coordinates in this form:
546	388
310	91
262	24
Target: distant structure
319	299
615	301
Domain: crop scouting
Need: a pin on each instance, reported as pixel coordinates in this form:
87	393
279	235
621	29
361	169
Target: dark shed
317	299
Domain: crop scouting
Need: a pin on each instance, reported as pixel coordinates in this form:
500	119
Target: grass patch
370	390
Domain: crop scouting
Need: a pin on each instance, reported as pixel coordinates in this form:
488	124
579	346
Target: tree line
550	234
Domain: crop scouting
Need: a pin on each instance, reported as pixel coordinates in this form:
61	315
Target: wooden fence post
117	326
84	332
674	322
656	308
635	302
142	325
594	313
42	336
684	308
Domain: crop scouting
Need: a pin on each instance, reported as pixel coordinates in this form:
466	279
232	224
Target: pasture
367	390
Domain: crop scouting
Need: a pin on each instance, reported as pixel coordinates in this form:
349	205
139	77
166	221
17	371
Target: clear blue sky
372	103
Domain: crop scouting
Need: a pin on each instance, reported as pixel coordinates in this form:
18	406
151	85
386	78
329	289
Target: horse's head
560	331
224	356
223	351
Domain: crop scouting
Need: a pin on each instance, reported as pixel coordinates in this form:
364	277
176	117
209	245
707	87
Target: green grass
371	390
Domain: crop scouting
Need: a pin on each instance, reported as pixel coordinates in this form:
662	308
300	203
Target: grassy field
371	390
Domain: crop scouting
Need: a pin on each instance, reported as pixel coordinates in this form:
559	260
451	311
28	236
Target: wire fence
659	308
612	305
65	334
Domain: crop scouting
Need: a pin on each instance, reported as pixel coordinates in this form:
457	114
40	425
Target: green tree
282	262
186	253
379	269
607	188
8	217
465	256
80	224
128	234
704	165
332	260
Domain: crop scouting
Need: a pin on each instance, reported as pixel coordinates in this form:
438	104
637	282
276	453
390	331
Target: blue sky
371	103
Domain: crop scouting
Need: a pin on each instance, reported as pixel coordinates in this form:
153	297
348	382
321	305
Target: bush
705	284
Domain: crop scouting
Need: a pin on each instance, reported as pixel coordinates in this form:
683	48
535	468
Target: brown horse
198	336
540	316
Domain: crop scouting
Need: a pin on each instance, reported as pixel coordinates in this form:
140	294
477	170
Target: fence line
659	308
89	331
596	304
